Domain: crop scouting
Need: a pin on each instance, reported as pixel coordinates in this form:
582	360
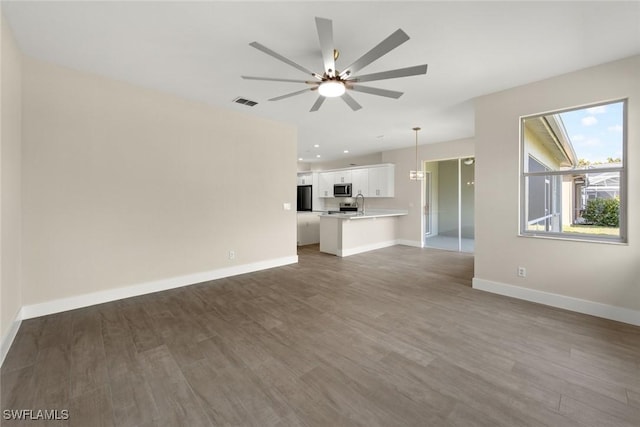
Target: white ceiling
198	50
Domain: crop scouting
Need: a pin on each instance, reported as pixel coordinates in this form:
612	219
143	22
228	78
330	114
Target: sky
596	132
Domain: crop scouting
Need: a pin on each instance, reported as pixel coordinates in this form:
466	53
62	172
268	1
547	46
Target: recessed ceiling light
345	151
316	145
300	159
318	155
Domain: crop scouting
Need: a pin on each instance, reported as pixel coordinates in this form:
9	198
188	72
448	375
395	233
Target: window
573	173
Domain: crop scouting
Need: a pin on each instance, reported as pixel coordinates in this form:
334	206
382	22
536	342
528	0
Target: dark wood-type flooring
394	337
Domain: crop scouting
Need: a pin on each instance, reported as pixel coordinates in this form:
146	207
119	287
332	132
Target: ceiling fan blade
281	58
298	92
273	79
393	74
351	102
325	35
381	49
317	104
377	91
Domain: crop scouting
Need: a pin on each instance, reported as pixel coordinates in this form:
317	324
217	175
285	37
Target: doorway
449	204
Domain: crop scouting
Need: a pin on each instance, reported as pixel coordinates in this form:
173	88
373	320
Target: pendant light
417	174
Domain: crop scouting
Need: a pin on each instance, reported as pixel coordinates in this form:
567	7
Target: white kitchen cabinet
325	182
370	181
308	228
360	181
342	176
318	203
382	181
305	178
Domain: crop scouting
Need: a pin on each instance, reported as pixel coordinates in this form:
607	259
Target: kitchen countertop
369	213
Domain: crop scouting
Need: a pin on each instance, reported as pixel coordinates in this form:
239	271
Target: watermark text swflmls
35	414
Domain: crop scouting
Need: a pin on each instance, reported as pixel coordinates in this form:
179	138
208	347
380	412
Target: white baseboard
578	305
412	243
365	248
80	301
8	338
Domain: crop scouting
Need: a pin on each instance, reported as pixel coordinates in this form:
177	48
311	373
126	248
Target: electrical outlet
522	272
232	254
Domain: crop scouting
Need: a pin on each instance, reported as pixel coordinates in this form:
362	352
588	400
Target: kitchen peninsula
344	234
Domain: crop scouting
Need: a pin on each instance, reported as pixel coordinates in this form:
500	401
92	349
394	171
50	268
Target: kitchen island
345	234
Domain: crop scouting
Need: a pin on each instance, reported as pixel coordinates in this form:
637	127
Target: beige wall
123	186
601	273
10	203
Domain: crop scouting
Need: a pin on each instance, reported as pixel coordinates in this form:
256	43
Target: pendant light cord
416	129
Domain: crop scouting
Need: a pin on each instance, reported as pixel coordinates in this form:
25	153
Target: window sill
586	239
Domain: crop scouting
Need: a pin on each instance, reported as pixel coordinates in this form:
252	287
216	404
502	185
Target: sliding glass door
449	204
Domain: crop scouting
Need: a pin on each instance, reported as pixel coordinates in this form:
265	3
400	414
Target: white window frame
622	170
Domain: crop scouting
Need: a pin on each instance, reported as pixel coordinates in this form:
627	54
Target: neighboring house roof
603	180
605	165
553	135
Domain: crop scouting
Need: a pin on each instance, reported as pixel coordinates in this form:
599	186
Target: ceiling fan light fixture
331	89
331	83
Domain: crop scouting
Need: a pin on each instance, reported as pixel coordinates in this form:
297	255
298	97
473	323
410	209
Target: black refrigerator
304	198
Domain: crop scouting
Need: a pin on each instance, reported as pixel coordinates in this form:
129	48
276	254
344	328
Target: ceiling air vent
244	101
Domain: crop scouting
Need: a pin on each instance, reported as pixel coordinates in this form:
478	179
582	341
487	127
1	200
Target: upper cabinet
342	176
360	182
370	181
325	182
305	178
382	181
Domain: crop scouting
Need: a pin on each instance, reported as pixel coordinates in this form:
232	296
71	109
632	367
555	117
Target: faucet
358	211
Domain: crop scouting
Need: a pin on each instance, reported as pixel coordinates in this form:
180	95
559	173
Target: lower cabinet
308	228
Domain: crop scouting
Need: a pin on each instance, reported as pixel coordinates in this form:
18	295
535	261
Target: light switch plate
286	206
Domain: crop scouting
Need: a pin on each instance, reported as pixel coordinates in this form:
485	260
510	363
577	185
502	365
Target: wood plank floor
394	337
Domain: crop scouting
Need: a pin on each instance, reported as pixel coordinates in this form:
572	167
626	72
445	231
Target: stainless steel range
345	207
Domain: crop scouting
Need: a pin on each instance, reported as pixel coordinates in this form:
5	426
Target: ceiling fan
333	83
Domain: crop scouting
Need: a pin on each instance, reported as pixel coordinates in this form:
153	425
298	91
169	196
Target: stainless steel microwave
341	190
